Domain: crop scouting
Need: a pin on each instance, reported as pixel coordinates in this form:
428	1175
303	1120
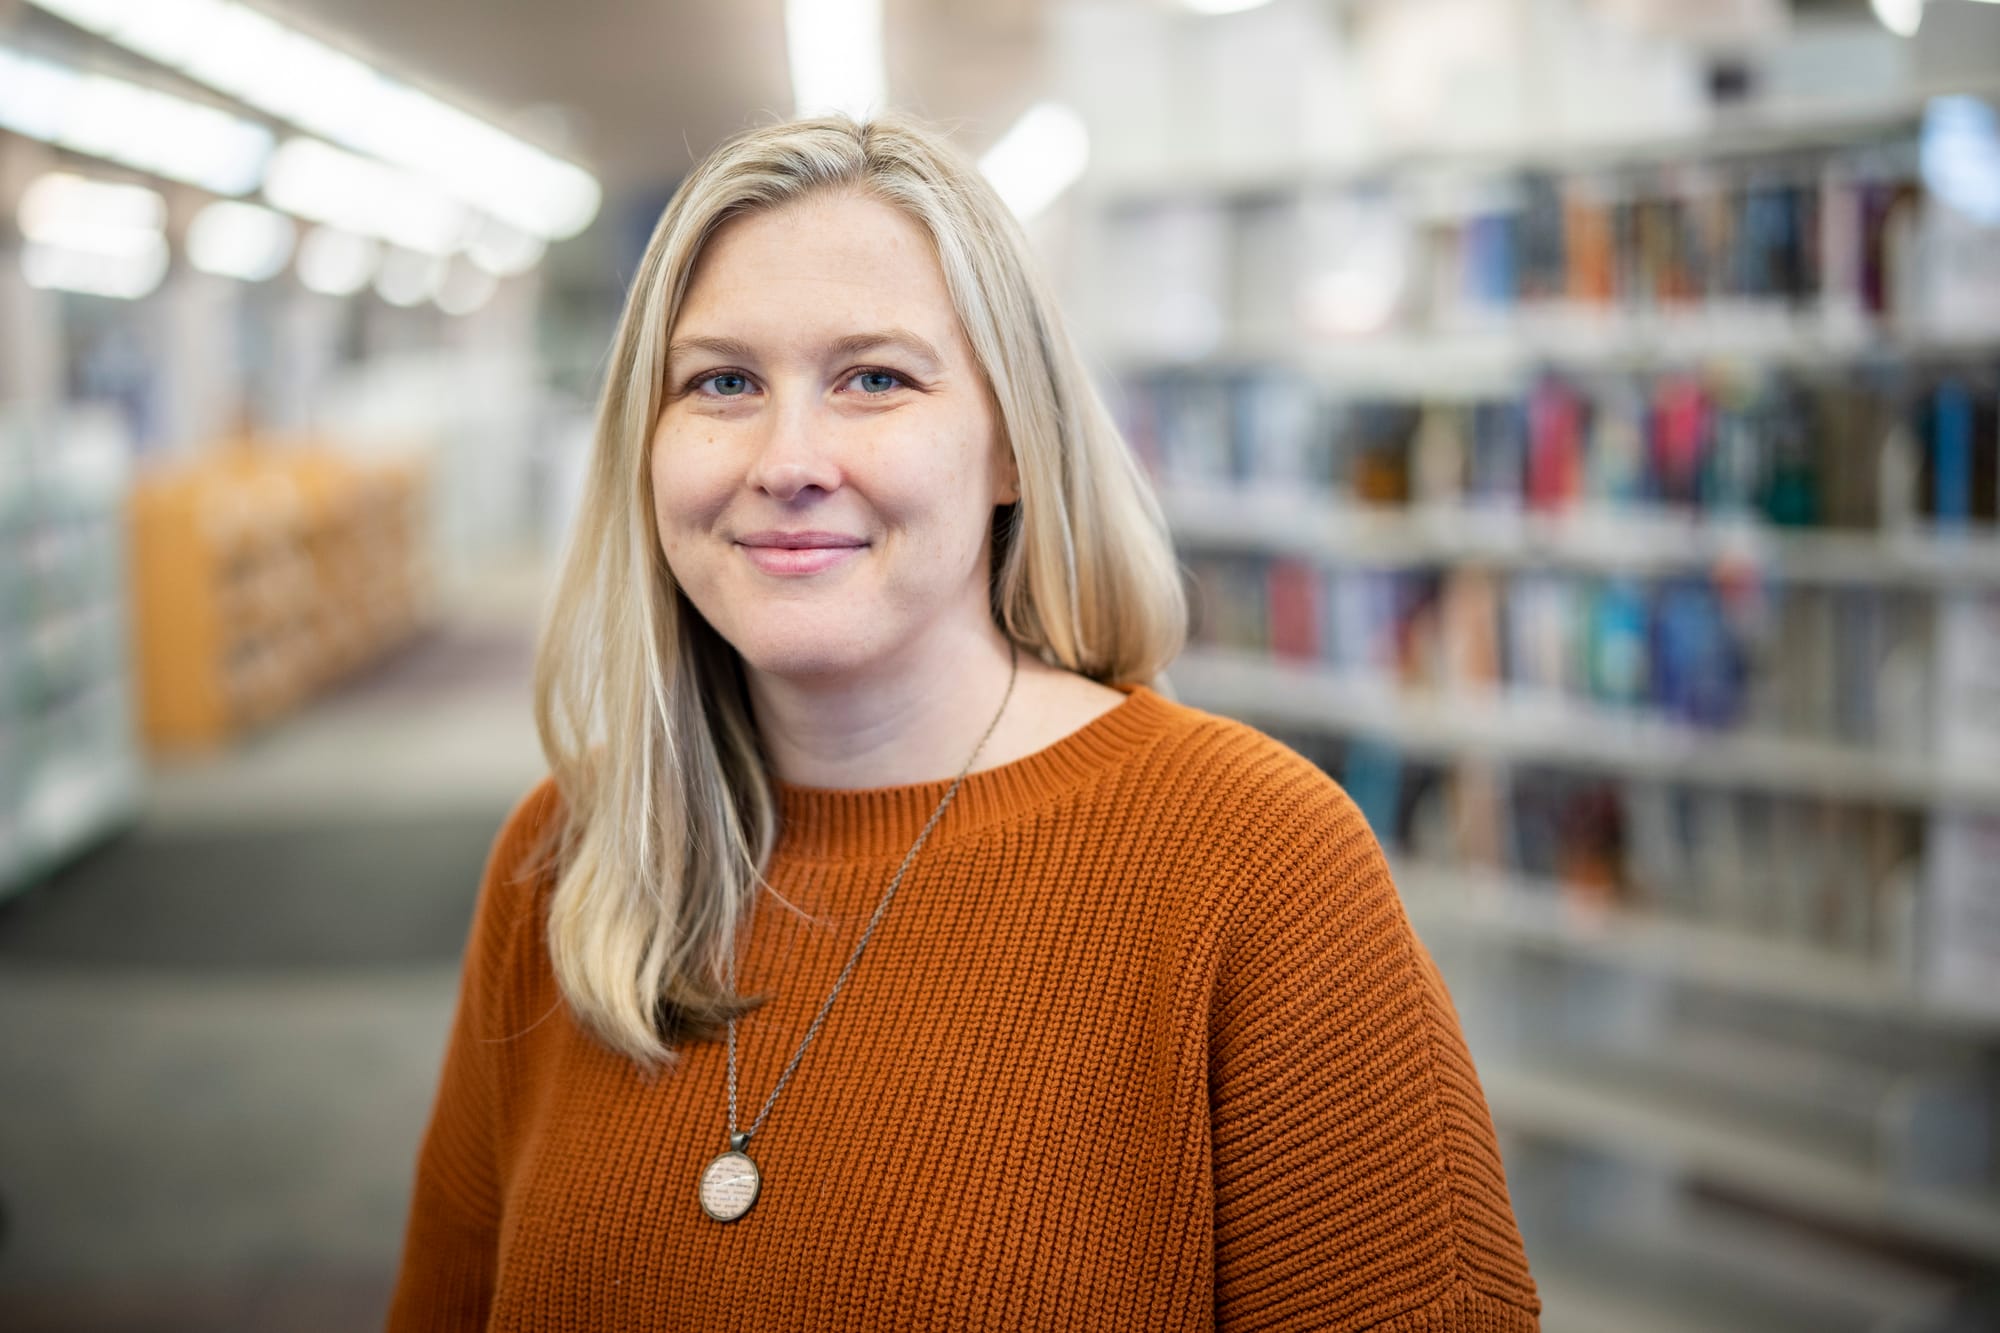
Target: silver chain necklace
731	1182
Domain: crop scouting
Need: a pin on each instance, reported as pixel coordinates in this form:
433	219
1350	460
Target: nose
795	454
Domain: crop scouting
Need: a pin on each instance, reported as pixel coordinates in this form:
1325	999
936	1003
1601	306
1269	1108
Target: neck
916	723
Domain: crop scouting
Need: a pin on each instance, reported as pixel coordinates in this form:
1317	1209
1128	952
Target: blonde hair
670	817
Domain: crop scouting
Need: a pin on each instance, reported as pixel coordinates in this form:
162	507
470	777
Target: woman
883	952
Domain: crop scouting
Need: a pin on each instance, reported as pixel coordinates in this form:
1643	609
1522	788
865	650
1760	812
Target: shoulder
1243	824
527	837
1232	781
1305	918
520	863
536	811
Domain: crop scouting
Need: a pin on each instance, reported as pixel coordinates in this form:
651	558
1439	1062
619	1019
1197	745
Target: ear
1006	476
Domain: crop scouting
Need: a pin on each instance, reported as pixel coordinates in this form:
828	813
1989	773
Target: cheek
960	495
689	489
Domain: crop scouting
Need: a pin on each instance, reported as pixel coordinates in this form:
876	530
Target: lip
798	540
795	553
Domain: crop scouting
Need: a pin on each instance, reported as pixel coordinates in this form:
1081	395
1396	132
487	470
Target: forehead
818	268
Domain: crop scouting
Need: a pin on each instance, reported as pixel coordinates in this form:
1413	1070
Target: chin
801	650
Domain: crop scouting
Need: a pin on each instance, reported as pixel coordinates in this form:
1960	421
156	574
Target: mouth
802	553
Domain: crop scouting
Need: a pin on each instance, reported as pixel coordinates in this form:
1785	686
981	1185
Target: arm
450	1247
1358	1185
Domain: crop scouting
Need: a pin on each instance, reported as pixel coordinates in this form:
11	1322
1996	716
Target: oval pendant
729	1185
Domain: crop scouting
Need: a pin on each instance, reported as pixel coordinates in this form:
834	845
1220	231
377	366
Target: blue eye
734	384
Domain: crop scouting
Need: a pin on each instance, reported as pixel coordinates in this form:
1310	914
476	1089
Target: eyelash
707	375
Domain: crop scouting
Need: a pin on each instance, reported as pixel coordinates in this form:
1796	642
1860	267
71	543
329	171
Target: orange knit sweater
1144	1042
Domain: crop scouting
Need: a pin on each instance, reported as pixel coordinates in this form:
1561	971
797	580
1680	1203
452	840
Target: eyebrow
853	344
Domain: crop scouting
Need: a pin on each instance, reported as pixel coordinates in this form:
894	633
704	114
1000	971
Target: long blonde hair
669	816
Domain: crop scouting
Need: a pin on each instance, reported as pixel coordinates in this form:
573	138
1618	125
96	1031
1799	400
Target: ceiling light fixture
835	50
326	184
1902	17
409	277
333	262
238	240
501	250
1040	157
92	236
286	74
465	289
134	126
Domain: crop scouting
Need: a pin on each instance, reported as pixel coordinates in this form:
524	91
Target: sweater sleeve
1358	1184
450	1246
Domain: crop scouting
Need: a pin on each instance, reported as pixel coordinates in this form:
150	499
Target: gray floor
219	1030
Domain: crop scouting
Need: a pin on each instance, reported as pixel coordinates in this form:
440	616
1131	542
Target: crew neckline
860	823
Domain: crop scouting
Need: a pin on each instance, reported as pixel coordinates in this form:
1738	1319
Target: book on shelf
1879	450
1828	666
1967	688
1860	668
1827	252
1964	884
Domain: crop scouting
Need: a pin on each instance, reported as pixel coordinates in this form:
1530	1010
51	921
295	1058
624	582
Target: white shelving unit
1753	132
1493	908
1555	732
1608	540
1685	1137
1692	1275
1704	1268
70	767
1496	359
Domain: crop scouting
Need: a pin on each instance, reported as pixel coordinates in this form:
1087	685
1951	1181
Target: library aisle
224	1023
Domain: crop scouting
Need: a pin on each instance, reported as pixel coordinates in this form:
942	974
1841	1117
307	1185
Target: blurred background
1580	422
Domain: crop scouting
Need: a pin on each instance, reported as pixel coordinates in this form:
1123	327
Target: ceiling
637	89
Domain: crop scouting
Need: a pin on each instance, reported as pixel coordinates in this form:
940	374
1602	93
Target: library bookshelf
262	573
1605	539
1448	174
1520	912
1555	731
1631	554
70	766
1493	356
1638	1122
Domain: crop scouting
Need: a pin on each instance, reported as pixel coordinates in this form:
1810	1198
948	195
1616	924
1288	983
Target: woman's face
826	464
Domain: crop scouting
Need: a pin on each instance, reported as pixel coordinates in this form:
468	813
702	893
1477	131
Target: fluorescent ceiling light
1040	157
835	49
1902	17
240	240
92	236
501	250
318	181
1223	6
125	277
289	75
337	263
60	206
466	290
408	278
133	126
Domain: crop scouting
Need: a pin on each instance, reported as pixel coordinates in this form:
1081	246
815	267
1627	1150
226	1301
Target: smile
796	560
